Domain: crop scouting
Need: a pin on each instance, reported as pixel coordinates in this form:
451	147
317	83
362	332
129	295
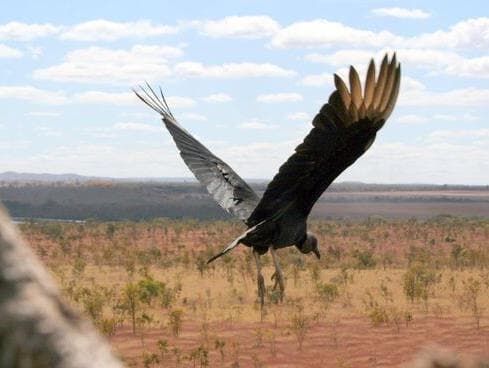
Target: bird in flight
343	130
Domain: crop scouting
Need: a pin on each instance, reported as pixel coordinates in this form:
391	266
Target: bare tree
36	328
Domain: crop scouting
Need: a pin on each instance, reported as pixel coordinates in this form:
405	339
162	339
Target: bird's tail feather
235	242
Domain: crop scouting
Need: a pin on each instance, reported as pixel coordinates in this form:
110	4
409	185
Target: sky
245	77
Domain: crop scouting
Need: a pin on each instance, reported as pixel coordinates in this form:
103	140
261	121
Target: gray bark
37	329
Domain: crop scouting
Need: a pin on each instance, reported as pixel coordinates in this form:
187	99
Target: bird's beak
316	252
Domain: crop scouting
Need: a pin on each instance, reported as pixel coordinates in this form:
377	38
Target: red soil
349	342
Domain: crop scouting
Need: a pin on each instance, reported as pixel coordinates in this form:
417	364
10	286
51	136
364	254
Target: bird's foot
274	278
279	281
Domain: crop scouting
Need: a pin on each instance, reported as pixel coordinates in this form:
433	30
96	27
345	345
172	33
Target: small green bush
327	292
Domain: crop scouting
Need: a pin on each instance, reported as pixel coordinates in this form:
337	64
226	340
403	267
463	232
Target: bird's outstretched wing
343	130
226	187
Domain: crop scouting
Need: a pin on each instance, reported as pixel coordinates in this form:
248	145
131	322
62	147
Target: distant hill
15	178
12	176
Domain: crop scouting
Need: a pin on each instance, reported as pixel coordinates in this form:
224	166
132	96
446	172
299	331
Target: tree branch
36	328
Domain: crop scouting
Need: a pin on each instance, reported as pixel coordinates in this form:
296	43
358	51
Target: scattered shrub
364	259
175	321
327	292
299	324
418	282
469	299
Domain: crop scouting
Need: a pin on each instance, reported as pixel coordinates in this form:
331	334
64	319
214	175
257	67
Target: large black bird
343	130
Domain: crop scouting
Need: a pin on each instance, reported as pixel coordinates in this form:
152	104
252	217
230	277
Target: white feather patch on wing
235	242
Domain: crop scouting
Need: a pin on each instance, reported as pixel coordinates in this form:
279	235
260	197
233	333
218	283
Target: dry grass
353	307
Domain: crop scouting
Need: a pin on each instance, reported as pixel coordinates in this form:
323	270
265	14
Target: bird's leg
278	275
260	279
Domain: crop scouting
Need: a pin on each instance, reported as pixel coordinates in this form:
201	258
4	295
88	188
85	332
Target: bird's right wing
343	130
226	187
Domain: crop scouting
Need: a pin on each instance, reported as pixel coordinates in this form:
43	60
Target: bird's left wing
226	187
343	130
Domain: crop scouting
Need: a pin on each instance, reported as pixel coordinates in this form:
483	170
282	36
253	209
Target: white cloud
420	96
467	34
421	119
99	159
102	65
14	145
437	160
317	80
218	98
470	33
101	97
299	116
139	127
409	84
475	67
437	53
248	159
257	124
433	60
106	30
321	32
33	94
429	161
231	70
469	117
401	13
460	133
178	102
239	27
51	133
193	116
9	52
25	32
342	57
459	118
411	119
128	98
279	97
445	117
47	114
46	131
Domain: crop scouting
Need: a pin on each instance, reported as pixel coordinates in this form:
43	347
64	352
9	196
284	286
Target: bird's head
310	245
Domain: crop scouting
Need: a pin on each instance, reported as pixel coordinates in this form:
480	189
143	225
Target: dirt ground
340	334
345	342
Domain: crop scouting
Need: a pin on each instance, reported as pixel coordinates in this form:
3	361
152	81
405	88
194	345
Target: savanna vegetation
381	291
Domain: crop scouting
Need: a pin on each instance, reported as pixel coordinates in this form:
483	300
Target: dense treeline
135	201
110	202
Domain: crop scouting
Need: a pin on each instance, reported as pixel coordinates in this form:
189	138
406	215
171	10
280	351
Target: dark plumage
344	128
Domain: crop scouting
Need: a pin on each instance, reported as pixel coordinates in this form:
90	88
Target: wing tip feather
157	103
379	93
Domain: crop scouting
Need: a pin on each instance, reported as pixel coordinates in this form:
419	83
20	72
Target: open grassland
382	291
